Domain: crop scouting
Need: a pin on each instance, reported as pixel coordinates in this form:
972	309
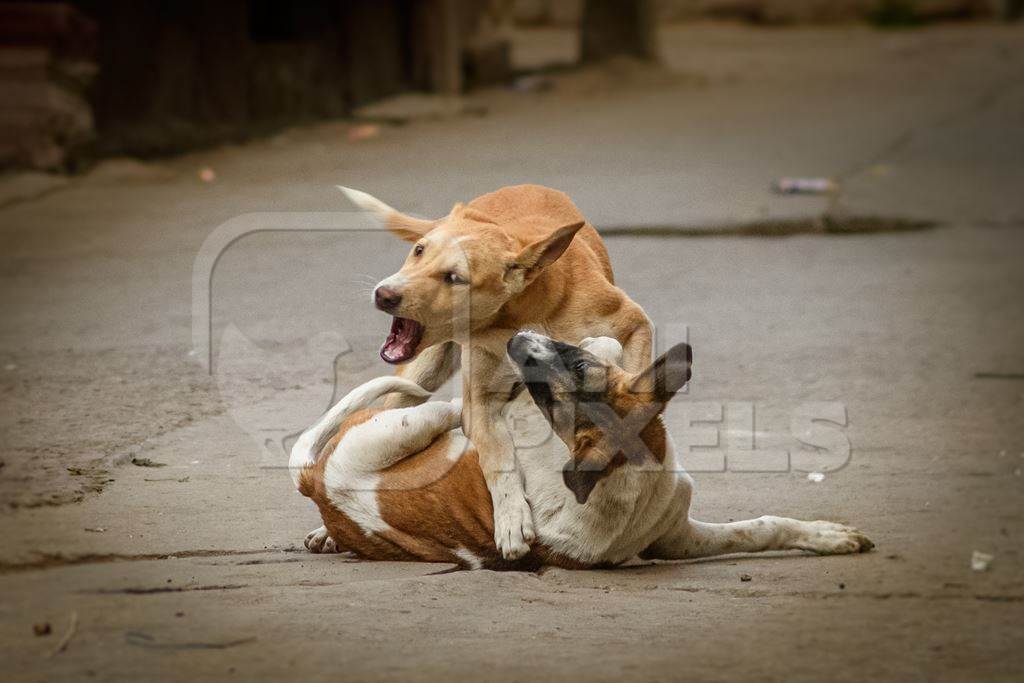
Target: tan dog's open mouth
402	342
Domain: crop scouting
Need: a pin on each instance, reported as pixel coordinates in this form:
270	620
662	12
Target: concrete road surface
146	515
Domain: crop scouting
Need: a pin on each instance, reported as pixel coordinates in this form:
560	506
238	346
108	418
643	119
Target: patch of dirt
70	417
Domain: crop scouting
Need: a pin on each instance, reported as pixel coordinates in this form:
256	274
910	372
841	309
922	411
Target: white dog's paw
829	538
457	408
319	541
513	528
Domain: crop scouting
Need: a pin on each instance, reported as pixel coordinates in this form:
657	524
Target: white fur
636	509
355	495
471	560
645	509
319	541
626	512
457	445
514	529
367	202
361	397
395	282
607	349
391	435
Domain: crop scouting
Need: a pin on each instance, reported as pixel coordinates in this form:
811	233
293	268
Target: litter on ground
363	132
804	185
980	561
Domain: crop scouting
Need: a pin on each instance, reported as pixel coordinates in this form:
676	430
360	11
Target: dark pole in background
613	28
446	47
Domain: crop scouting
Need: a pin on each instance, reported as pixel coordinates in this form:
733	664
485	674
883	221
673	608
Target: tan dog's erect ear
406	227
667	375
546	251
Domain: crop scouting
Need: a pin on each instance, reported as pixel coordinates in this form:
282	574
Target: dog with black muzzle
403	484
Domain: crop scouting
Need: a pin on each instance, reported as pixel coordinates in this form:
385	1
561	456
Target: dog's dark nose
386	299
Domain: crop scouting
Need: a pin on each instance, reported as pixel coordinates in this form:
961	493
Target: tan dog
520	257
402	485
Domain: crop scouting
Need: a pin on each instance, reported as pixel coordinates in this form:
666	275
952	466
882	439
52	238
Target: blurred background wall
88	78
568	12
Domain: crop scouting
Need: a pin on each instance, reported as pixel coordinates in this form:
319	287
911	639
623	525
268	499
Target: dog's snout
516	348
386	299
529	348
522	345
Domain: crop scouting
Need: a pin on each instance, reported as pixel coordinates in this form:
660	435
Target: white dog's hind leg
692	538
376	444
319	541
312	441
391	435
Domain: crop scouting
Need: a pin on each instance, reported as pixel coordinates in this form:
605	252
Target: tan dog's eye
417	250
455	279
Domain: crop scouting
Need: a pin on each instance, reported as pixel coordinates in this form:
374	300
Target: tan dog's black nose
386	299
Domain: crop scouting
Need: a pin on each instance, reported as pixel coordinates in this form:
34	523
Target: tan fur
508	246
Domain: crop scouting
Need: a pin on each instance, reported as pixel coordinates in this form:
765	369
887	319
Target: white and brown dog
522	257
404	484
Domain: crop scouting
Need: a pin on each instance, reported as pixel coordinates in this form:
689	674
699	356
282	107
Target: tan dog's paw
319	541
513	529
829	538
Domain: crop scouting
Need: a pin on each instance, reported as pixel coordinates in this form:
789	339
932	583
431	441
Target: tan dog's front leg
636	345
483	424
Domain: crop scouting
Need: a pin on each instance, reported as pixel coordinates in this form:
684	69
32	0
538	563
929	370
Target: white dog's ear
546	251
665	376
406	227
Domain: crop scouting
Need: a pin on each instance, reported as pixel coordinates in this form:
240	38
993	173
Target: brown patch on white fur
437	509
435	506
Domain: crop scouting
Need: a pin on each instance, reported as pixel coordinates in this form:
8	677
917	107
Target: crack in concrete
823	224
141	639
879	595
166	589
55	560
50	561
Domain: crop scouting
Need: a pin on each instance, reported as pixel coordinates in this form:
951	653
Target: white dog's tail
313	440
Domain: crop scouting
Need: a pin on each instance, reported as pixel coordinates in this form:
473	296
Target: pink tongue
402	341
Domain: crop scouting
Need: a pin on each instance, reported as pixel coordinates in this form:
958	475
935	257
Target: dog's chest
623	515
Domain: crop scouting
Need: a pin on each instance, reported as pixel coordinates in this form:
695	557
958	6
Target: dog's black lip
516	389
542	397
